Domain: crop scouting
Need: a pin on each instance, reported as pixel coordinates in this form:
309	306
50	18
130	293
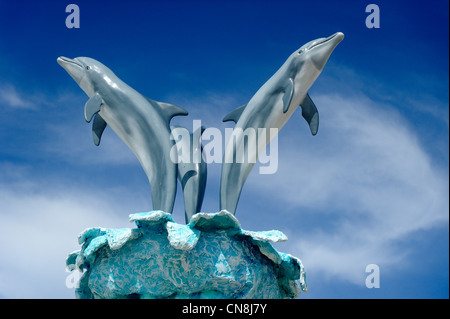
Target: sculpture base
211	257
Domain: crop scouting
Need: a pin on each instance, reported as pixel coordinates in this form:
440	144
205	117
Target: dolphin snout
323	49
73	67
338	35
334	39
60	60
63	61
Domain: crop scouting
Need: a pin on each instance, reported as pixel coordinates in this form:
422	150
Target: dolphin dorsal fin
169	110
288	93
172	110
310	113
98	126
234	115
92	107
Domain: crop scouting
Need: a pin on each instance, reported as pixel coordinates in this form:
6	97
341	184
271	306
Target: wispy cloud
10	97
71	141
39	225
15	97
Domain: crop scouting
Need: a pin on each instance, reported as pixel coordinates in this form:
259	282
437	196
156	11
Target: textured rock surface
211	257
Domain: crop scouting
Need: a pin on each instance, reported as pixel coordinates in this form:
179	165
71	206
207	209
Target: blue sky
370	188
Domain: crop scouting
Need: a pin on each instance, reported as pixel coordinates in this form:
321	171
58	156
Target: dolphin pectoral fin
310	113
288	93
98	126
92	106
234	115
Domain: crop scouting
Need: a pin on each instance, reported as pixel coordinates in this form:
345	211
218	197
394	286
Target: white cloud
39	228
366	182
12	98
72	142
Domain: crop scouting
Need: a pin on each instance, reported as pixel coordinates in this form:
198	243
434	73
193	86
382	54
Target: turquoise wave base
211	257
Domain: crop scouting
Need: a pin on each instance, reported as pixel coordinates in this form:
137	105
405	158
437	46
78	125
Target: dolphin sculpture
271	107
192	172
142	123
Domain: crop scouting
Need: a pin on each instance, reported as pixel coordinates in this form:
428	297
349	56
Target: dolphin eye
301	51
88	67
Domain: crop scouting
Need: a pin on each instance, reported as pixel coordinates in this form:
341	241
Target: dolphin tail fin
202	170
234	115
310	113
192	174
200	173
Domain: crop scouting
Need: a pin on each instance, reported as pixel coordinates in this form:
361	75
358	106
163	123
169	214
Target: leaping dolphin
192	170
271	107
142	123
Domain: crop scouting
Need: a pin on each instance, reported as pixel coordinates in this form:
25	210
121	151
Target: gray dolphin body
271	107
192	172
142	123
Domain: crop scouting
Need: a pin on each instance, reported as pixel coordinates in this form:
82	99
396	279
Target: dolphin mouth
338	36
64	61
75	68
